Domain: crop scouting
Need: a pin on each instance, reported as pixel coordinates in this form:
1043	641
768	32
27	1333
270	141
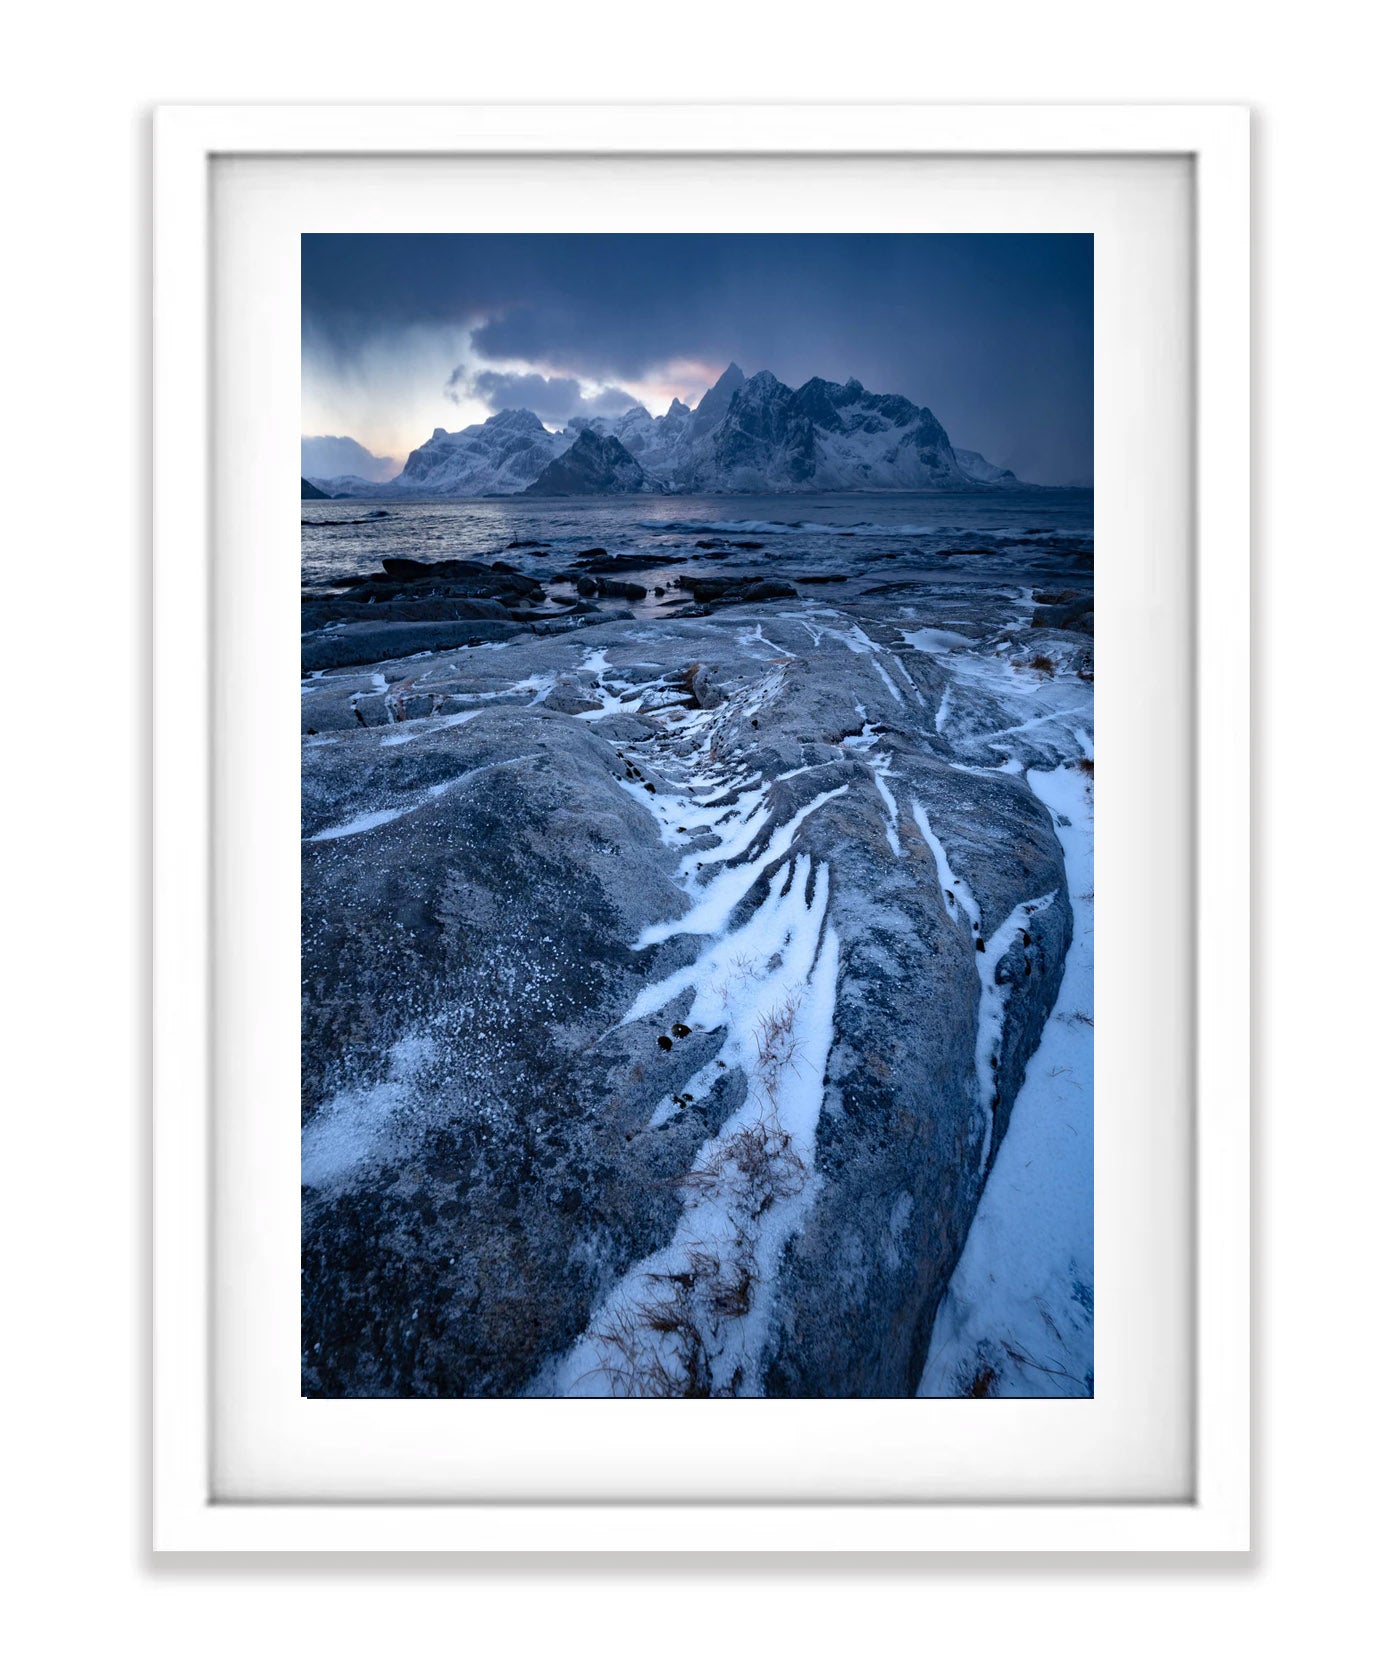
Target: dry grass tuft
664	1348
775	1034
755	1165
654	1353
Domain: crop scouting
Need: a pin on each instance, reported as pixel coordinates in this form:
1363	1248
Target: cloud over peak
556	398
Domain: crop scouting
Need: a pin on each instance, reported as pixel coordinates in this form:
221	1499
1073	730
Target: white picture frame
188	1514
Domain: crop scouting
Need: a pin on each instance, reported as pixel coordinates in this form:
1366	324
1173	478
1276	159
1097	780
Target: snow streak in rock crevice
987	953
904	672
879	770
715	902
851	635
692	1319
366	820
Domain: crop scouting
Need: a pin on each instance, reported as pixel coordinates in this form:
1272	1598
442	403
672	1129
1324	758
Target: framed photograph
705	855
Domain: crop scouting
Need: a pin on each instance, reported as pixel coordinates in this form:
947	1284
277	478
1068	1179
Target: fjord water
944	531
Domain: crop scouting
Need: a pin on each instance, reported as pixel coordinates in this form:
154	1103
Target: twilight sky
405	332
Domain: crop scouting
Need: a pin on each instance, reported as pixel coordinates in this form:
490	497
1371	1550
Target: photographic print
698	812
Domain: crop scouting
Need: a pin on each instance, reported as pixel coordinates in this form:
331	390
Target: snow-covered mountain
760	435
505	453
497	457
592	466
661	447
978	467
823	437
744	435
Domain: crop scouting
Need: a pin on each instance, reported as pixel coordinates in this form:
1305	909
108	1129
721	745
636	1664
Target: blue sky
405	332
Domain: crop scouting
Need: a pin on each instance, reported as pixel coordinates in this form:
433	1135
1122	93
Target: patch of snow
1018	1313
362	823
935	641
357	1126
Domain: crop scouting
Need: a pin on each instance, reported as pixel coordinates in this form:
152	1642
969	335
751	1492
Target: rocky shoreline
676	937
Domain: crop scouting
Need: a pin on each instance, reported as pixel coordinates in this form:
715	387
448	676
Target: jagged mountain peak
593	465
710	410
746	434
727	383
824	436
514	420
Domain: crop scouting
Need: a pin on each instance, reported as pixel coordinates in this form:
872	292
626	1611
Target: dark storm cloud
611	399
554	397
993	332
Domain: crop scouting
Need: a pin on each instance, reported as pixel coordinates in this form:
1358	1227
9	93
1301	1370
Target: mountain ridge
746	435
